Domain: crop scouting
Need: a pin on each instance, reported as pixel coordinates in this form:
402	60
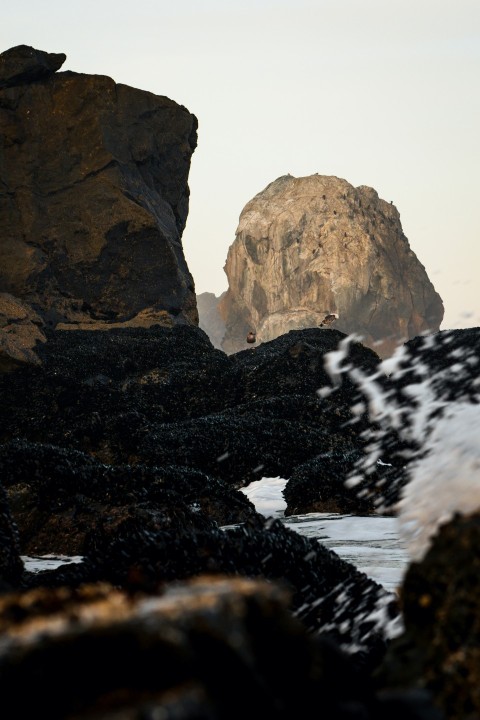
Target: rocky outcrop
23	64
93	197
57	497
159	397
312	246
128	447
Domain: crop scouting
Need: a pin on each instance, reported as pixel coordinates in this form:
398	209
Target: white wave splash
423	406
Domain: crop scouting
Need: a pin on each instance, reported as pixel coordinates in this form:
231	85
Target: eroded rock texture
20	330
312	246
93	197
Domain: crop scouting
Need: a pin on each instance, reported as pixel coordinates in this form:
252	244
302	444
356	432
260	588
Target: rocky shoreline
129	447
126	438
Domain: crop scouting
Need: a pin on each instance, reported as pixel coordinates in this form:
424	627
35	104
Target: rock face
209	319
93	197
312	246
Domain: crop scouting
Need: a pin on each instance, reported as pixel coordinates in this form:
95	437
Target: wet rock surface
164	396
212	647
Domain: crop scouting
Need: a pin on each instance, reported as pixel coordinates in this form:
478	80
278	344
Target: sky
385	94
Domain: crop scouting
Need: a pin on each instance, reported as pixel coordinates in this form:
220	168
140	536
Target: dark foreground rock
212	648
142	547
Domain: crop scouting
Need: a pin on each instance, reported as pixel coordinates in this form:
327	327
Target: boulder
312	251
200	650
58	496
319	485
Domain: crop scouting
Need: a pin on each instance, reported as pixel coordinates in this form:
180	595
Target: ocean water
431	405
372	544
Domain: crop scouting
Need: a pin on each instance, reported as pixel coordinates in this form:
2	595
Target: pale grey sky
380	93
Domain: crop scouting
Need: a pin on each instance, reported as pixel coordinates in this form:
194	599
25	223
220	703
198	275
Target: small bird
328	320
251	337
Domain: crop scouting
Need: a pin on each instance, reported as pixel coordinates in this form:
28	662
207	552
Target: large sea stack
314	246
93	200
